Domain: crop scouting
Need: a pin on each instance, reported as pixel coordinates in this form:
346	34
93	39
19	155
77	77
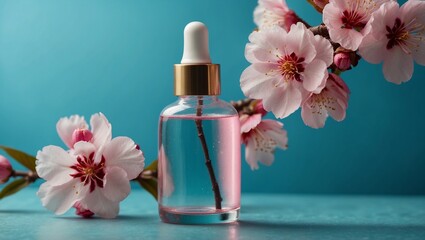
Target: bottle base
198	216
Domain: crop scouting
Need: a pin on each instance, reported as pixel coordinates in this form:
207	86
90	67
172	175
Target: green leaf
27	160
151	185
13	187
153	166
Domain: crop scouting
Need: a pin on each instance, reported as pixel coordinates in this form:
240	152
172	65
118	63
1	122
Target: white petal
84	148
101	128
61	198
398	66
53	164
122	152
117	186
66	127
100	204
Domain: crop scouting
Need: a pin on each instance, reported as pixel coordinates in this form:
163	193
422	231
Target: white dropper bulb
196	44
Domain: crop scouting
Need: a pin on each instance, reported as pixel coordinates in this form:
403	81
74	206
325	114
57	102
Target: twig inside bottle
215	186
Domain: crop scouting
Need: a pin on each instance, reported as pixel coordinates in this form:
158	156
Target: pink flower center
353	20
291	67
89	172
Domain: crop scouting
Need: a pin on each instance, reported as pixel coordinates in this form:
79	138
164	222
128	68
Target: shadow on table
120	218
20	211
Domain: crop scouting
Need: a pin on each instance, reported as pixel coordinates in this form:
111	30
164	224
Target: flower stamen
291	67
89	172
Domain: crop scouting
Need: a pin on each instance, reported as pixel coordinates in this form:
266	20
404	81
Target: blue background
59	58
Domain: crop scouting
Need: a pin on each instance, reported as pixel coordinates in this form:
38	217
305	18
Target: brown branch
322	30
243	105
215	187
30	175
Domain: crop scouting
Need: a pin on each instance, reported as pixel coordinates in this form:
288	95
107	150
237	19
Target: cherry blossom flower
5	169
332	100
261	138
346	20
396	38
92	177
270	13
75	129
284	65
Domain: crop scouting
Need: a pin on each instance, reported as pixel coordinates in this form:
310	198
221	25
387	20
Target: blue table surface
263	216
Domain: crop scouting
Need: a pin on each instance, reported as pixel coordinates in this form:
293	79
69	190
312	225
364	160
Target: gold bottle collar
196	79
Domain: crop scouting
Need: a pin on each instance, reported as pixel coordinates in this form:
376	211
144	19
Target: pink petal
299	41
338	3
121	152
283	101
398	66
258	15
332	14
419	54
61	198
373	46
101	128
413	10
98	203
53	164
255	84
339	113
314	75
312	117
117	186
269	68
373	50
265	158
275	131
66	126
253	155
324	50
249	122
350	39
250	154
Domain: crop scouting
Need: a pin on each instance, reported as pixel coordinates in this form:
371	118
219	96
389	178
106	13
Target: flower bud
5	169
81	211
81	135
342	60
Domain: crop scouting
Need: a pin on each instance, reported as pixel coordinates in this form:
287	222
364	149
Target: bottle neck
195	100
